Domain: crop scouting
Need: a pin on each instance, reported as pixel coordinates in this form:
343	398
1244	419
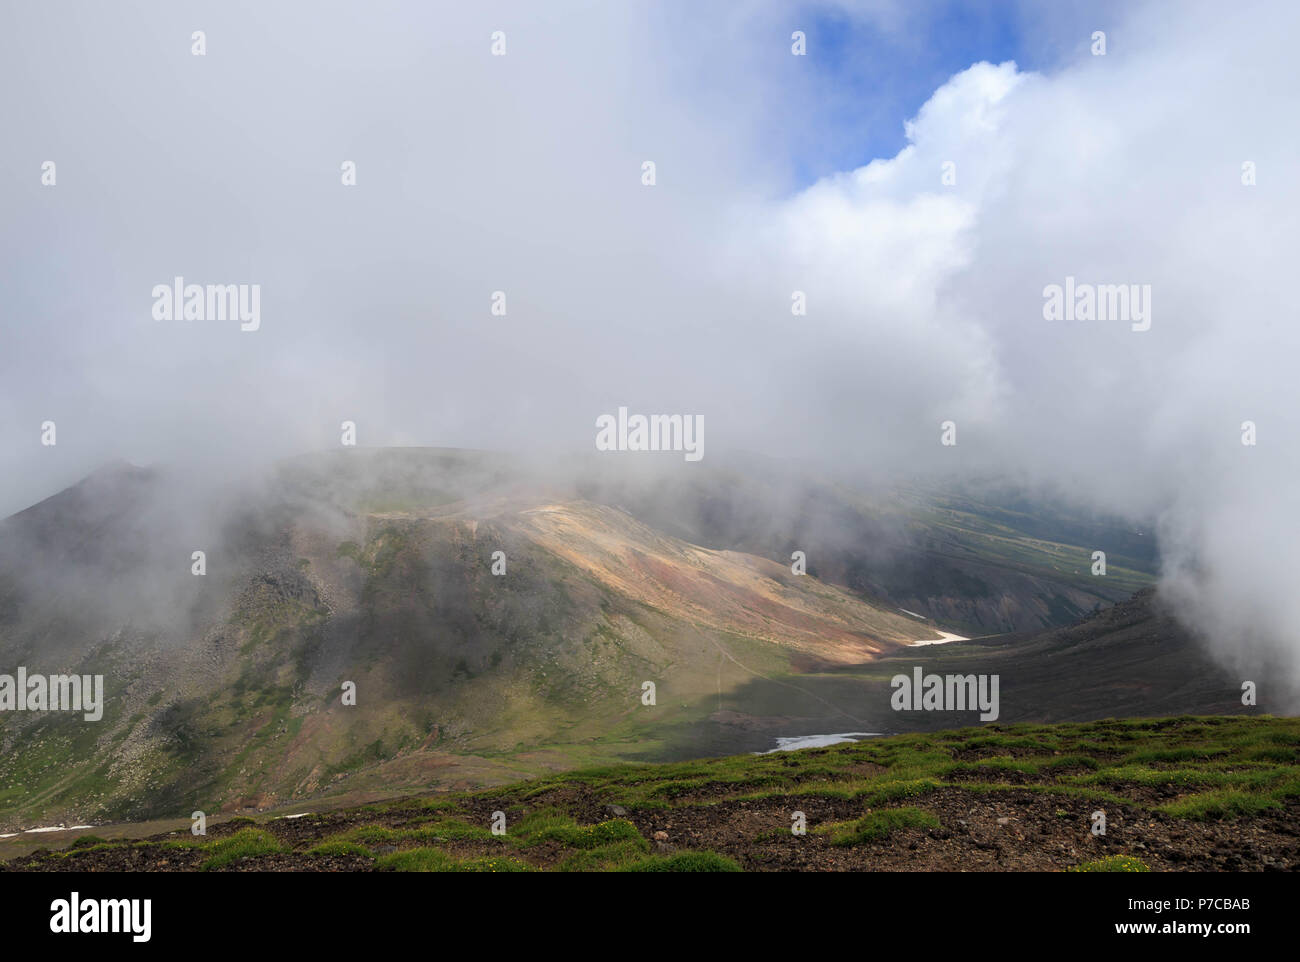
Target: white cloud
1116	169
522	174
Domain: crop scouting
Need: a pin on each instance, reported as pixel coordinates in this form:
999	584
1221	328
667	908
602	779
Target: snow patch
947	637
816	741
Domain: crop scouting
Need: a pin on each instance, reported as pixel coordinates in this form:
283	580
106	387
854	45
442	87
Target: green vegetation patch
888	792
444	830
606	858
436	860
1112	863
246	843
875	826
1223	803
686	862
338	846
85	841
534	830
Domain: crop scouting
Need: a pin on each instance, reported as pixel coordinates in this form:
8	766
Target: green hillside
1186	793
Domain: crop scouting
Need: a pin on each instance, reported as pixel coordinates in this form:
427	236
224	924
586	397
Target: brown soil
1011	830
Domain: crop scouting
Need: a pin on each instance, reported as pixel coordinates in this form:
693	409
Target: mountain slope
375	568
984	561
225	690
1189	794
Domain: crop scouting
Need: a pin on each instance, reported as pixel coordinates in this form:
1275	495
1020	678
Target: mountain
224	692
983	560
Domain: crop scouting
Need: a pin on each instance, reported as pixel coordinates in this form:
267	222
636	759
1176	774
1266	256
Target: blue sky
869	67
879	80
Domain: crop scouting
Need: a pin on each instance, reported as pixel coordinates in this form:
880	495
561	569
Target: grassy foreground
1192	793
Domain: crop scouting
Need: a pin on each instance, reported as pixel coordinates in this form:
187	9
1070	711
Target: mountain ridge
376	569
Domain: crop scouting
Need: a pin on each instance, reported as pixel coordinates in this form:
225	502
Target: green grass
686	862
1218	765
443	830
884	794
452	829
1112	863
77	848
878	825
1224	803
436	860
606	858
417	860
246	843
1193	768
563	829
337	846
85	841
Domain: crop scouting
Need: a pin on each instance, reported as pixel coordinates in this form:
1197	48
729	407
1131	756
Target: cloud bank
522	174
